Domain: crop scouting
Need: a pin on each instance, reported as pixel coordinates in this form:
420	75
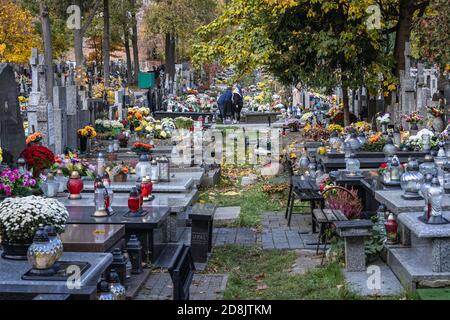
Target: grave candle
134	201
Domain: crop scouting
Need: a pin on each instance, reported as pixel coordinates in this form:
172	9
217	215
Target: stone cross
408	103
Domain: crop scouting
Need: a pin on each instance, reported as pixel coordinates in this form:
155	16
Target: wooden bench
353	232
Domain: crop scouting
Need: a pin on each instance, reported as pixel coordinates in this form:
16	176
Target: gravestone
72	116
12	135
60	118
407	82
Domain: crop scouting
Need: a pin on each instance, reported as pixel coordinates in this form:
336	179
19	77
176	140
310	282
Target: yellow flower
1	155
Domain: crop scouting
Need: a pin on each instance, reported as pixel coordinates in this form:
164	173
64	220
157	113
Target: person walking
238	103
225	104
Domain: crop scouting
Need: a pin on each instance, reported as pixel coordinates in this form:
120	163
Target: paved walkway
204	287
278	235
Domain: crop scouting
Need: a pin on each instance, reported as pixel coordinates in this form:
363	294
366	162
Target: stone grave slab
389	284
224	214
177	202
11	272
92	238
180	183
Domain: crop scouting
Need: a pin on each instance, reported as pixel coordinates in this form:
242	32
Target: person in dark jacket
238	103
225	103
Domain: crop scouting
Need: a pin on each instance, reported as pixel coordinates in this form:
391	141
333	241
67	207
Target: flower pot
15	250
123	143
83	144
121	177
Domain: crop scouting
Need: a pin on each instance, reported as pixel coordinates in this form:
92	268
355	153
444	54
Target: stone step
413	268
227	214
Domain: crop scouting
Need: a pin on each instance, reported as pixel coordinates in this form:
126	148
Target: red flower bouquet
38	158
140	147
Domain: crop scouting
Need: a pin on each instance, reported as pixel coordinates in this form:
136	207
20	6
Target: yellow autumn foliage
17	33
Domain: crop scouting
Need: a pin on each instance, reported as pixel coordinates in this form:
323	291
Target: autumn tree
322	43
17	33
176	20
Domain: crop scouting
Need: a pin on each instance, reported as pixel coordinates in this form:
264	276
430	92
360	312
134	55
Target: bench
177	258
353	232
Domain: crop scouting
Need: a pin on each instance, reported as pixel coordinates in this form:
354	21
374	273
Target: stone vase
438	124
413	128
83	144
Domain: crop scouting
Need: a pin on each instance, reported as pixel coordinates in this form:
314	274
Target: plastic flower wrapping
21	217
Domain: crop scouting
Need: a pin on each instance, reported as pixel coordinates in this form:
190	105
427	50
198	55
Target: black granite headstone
12	134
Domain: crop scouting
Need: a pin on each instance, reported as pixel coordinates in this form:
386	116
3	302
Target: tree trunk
126	37
170	56
134	41
48	49
404	27
106	42
78	41
346	106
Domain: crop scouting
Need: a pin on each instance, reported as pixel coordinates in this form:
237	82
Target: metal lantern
424	193
62	180
389	149
42	254
440	160
111	146
312	169
22	165
106	180
426	142
391	227
411	180
154	171
303	163
134	203
119	264
116	146
164	166
50	187
105	293
134	249
435	193
397	137
394	170
362	138
143	167
101	164
54	240
352	165
118	291
428	166
354	142
101	200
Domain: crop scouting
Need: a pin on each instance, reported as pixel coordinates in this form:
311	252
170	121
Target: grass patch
254	273
253	202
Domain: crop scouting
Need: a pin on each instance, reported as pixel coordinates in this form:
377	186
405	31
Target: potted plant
142	148
120	172
21	217
413	119
123	140
70	162
84	134
34	139
14	183
38	159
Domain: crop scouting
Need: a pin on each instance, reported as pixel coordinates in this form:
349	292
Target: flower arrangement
335	127
70	162
140	147
34	138
123	140
346	201
120	169
184	123
307	116
15	183
375	143
315	132
435	111
414	117
334	112
21	217
88	132
108	125
38	158
361	126
384	118
415	143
